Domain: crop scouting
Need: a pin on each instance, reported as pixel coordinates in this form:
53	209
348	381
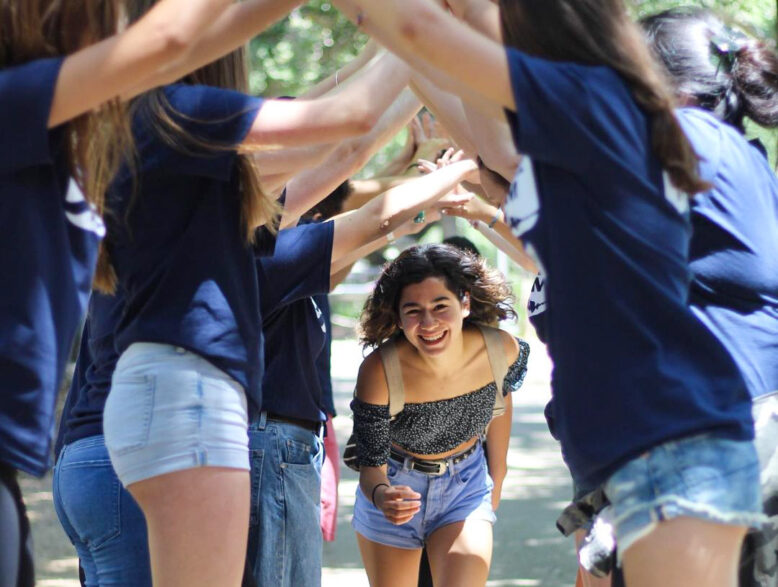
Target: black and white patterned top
430	427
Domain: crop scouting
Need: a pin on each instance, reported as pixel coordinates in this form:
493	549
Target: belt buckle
442	467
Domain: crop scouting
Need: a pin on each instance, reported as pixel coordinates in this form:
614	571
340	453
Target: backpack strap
394	377
499	363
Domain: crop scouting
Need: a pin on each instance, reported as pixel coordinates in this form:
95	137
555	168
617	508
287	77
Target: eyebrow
438	299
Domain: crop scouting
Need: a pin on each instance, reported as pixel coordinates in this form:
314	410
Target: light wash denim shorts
463	492
703	476
168	410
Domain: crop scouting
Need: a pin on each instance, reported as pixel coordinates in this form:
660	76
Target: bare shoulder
510	345
371	381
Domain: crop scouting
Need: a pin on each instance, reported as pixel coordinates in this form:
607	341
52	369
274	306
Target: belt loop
262	420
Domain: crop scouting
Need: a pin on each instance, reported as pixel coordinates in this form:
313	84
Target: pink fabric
330	476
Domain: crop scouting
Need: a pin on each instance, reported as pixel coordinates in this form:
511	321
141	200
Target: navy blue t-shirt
83	413
187	273
49	246
292	322
633	367
734	252
323	361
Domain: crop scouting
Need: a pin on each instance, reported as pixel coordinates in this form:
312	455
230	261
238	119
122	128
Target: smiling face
431	315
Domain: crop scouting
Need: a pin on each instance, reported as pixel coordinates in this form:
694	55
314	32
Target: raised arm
424	34
108	69
353	111
234	27
309	187
389	210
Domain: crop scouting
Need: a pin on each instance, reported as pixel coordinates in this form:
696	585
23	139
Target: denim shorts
169	410
463	492
703	476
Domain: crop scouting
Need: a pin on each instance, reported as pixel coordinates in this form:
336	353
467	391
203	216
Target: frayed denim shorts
703	476
169	410
463	492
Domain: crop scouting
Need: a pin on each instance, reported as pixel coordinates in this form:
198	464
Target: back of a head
720	69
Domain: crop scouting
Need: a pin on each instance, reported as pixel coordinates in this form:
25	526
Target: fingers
400	503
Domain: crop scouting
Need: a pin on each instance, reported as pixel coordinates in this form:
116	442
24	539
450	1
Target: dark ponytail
755	74
723	70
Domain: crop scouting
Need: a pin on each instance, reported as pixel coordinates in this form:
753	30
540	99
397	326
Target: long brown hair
97	142
601	32
230	72
463	272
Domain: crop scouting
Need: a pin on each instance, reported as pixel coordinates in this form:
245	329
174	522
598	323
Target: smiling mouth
432	340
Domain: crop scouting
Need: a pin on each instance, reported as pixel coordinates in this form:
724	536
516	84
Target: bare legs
685	551
459	555
198	525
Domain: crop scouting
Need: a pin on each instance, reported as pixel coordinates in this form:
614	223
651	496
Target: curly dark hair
464	273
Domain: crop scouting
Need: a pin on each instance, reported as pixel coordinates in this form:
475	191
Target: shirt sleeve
514	378
299	267
215	122
552	111
26	95
371	430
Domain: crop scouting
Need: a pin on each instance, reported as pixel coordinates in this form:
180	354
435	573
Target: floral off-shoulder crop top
430	427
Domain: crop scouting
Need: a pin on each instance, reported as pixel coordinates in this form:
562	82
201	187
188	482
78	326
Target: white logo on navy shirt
81	213
676	197
537	303
522	207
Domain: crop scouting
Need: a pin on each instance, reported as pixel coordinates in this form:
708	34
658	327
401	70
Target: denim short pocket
469	469
129	412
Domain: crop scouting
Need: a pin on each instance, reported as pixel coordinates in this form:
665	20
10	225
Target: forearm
494	141
370	477
291	159
110	68
388	211
502	237
364	190
423	33
448	109
497	441
309	187
234	28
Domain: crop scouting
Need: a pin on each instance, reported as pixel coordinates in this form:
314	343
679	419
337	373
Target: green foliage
311	43
756	16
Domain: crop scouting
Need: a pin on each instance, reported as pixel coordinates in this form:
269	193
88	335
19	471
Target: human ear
465	305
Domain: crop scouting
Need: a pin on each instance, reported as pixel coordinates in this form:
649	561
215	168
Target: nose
427	320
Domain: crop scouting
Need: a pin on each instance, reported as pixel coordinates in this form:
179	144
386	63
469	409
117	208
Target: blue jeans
100	517
285	539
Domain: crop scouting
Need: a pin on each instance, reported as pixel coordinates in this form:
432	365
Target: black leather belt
314	427
430	467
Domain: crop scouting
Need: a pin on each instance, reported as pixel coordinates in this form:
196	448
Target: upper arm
371	381
510	346
301	122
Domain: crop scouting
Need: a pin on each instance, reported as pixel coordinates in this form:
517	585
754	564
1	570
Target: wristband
372	495
495	219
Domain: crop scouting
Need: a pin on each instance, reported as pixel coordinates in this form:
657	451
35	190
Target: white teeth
436	339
